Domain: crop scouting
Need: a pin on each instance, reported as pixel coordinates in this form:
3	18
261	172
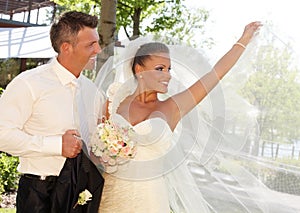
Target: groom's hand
71	144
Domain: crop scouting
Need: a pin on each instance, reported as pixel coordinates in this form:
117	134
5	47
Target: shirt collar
64	75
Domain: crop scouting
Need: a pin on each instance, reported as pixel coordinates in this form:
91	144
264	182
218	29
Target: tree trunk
136	22
107	29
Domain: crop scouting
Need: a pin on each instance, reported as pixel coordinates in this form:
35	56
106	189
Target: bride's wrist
240	45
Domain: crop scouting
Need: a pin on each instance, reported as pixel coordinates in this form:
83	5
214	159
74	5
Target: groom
39	122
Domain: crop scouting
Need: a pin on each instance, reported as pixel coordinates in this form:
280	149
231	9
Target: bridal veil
211	166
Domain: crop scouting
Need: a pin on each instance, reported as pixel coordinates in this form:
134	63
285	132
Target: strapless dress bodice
153	136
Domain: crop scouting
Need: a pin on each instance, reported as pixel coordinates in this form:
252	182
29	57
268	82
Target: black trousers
34	195
61	194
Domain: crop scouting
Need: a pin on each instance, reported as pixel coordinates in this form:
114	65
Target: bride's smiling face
155	73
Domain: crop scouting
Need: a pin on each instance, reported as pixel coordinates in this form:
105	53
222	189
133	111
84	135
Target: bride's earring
140	76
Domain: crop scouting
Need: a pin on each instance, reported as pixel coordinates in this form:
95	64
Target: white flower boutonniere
83	198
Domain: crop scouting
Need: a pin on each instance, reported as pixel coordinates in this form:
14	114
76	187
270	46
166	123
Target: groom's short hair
66	28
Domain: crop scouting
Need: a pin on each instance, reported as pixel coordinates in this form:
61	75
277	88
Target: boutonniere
83	197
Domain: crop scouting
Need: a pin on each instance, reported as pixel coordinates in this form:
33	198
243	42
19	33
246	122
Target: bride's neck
145	97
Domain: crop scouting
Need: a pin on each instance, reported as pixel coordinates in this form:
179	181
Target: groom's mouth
93	58
91	63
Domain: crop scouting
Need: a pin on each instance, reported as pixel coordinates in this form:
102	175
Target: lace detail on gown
151	195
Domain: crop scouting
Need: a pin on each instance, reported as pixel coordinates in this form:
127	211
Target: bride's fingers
252	29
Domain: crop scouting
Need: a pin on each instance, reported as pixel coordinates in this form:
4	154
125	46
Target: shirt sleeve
16	104
101	97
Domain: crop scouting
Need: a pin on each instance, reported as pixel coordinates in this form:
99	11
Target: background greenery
9	176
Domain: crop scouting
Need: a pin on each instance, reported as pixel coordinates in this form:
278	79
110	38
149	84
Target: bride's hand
249	31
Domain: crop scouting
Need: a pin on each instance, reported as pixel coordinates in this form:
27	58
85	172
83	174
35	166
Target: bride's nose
168	76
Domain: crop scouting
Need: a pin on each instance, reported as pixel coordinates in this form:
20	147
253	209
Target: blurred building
11	8
24	41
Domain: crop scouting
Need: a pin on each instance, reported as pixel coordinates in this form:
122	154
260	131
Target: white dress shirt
37	108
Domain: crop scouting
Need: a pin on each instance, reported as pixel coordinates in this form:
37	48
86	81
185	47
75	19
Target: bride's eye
159	68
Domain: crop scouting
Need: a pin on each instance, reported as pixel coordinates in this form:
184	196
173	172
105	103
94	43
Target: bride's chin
164	91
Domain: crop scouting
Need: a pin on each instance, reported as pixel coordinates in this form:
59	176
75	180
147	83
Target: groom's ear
65	47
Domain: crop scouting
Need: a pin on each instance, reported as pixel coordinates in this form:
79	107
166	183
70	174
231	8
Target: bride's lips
165	83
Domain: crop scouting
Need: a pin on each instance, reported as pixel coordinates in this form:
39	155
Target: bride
141	186
176	146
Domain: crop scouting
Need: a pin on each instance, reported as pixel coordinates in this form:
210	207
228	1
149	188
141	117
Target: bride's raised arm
189	98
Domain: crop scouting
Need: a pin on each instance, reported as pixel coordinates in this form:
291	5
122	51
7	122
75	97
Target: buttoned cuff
53	145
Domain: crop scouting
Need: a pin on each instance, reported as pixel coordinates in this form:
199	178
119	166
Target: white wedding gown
201	167
140	196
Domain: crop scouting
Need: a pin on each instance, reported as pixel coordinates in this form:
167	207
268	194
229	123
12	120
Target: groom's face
86	47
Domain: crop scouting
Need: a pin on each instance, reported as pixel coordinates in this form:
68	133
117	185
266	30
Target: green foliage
170	19
88	6
273	87
283	182
91	74
9	175
131	14
9	68
184	28
280	175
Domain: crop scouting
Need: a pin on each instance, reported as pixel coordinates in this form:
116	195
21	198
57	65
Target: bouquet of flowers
113	144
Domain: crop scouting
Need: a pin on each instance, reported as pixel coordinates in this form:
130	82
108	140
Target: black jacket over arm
78	174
